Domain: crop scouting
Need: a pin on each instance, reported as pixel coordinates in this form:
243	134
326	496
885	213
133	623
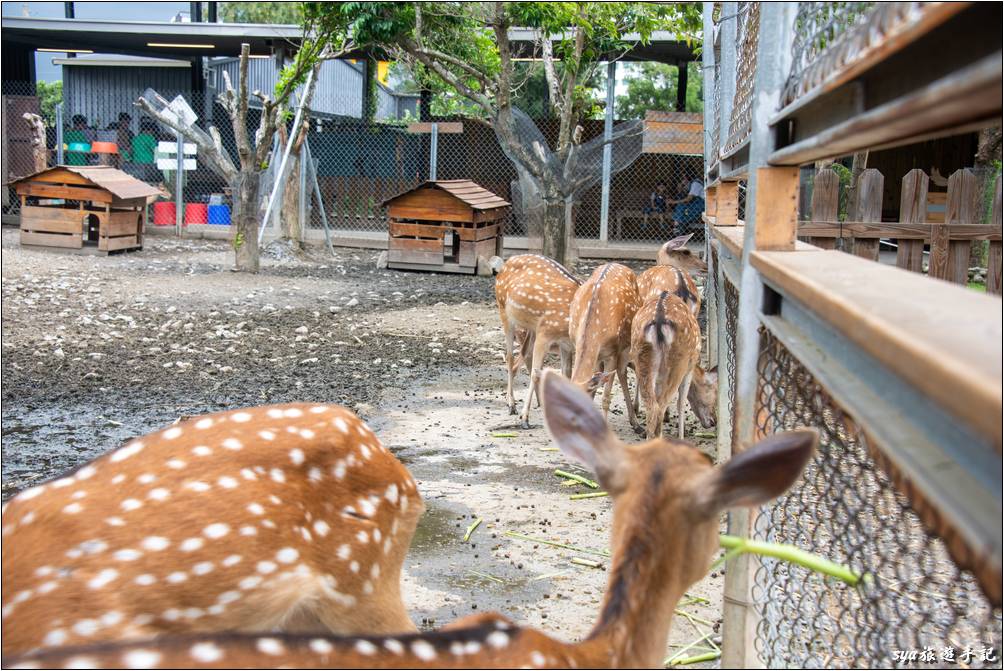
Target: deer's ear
677	242
578	428
758	474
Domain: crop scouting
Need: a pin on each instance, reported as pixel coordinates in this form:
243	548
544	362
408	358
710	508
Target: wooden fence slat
870	184
912	210
825	203
994	259
963	208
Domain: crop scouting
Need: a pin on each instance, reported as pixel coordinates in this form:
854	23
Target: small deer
665	349
533	293
600	325
673	272
667	502
290	517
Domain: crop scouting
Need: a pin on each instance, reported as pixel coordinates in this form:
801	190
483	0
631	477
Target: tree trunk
988	149
289	217
246	204
858	166
553	233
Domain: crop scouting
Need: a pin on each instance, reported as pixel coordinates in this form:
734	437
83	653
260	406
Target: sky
122	11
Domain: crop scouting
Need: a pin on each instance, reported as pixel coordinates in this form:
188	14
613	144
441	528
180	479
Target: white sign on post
170	162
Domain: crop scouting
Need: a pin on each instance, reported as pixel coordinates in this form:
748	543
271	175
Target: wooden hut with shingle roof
73	207
445	226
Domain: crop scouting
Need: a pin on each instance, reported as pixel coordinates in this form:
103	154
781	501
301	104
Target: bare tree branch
239	115
209	147
550	75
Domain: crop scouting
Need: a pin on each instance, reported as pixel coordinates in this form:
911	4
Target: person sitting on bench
687	210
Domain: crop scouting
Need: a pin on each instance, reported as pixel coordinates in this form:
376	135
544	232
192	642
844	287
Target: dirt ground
97	350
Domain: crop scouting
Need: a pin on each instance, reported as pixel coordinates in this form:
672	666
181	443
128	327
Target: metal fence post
433	151
59	134
301	211
179	197
608	150
739	616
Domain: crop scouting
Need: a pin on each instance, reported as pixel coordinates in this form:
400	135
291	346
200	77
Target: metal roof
133	37
470	193
120	184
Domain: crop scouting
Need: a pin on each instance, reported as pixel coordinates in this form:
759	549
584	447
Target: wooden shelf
942	338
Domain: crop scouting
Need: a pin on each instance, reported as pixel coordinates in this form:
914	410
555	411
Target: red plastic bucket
196	213
163	213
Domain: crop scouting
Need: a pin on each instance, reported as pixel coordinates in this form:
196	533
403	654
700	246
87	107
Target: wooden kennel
75	207
444	226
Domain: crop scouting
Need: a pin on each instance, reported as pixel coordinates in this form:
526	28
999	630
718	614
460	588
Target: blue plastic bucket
219	214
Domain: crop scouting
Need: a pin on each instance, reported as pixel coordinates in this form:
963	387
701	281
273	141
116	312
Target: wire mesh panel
717	102
730	297
914	606
748	29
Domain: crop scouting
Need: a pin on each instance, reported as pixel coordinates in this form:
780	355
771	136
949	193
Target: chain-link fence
357	163
915	607
747	31
730	301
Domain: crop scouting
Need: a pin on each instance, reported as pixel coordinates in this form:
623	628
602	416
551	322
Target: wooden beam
777	209
963	100
66	192
943	339
442	127
727	209
908	232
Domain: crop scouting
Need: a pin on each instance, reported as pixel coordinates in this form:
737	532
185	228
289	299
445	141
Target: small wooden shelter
444	225
84	206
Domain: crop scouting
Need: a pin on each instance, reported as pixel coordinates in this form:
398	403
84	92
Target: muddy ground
97	350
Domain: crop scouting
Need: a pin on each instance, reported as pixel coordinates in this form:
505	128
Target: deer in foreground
665	349
286	517
667	501
600	325
533	293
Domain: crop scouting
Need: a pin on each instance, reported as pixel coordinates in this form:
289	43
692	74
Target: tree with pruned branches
254	152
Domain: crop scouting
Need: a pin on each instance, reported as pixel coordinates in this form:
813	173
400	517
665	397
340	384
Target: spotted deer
533	294
287	517
600	325
673	272
668	498
665	349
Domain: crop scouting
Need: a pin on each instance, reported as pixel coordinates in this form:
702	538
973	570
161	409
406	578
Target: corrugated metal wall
338	92
102	92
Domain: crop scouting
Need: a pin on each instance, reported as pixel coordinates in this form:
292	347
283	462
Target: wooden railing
900	373
949	234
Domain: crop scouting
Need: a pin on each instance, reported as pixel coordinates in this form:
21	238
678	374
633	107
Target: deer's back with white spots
289	516
534	293
600	318
668	498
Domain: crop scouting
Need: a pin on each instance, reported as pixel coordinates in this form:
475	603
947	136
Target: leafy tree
261	12
49	94
465	47
653	86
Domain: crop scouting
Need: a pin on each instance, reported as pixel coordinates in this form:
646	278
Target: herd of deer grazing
275	536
